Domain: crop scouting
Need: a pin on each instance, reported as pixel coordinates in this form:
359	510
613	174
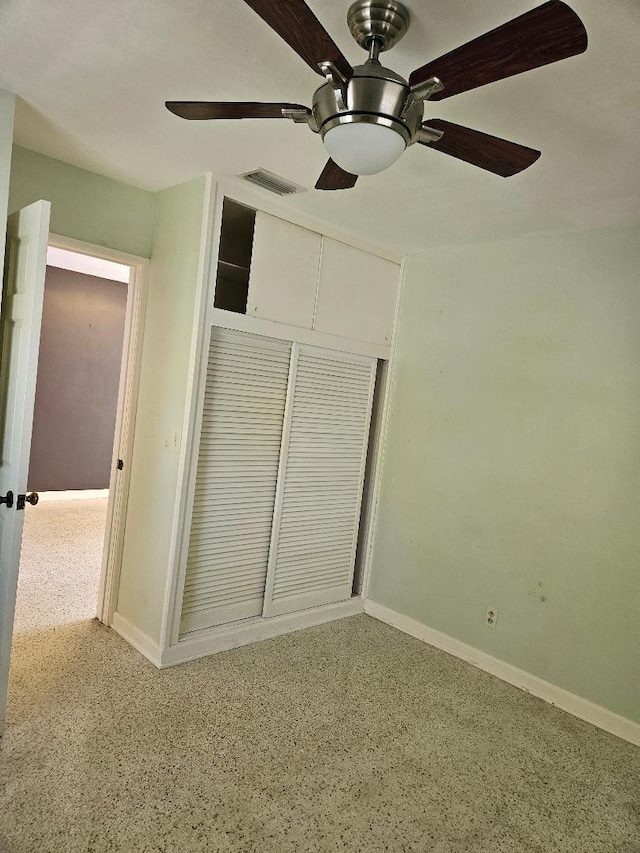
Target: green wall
7	106
84	206
165	372
166	227
512	469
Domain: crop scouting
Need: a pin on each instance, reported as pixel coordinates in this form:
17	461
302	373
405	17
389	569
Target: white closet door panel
284	272
357	294
238	461
320	479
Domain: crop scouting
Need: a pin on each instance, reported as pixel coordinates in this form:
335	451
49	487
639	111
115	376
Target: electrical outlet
491	618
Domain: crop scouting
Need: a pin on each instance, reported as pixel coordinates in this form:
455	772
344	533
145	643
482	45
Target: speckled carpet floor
346	737
60	563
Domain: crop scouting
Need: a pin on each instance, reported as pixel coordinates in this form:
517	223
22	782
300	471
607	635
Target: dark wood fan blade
335	178
294	21
488	152
201	110
547	34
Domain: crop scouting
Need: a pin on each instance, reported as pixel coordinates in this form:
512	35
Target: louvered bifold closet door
320	480
236	478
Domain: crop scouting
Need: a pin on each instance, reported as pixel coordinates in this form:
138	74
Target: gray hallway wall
78	378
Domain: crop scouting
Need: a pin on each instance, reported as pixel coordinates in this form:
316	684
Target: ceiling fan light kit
364	149
367	122
368	115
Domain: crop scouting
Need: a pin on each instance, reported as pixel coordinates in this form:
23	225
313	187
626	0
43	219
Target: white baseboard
137	638
74	494
212	640
576	705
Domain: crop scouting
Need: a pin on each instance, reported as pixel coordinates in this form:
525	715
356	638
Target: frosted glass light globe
362	148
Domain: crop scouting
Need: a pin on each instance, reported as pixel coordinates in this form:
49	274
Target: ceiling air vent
271	182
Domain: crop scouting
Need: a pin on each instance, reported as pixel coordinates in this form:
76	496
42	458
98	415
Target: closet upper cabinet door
357	294
240	438
284	272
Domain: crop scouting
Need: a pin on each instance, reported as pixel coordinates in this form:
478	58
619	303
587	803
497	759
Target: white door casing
137	290
25	267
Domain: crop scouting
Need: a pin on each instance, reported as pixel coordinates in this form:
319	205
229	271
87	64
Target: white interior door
23	292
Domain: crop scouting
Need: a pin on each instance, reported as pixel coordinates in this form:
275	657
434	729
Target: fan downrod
378	24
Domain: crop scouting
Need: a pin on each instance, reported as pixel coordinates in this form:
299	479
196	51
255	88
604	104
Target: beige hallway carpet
60	563
346	737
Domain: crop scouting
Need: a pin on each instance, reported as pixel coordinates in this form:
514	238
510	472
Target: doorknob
32	499
7	499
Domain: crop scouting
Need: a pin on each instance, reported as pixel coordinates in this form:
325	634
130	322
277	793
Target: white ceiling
93	77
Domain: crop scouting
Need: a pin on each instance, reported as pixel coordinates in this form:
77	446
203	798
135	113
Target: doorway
82	435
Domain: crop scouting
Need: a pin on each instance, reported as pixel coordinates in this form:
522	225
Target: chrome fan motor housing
375	95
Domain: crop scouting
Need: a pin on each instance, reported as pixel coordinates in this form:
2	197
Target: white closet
293	326
279	480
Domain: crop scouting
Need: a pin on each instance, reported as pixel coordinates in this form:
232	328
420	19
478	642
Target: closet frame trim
206	316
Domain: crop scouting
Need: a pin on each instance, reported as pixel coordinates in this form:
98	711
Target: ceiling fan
368	115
